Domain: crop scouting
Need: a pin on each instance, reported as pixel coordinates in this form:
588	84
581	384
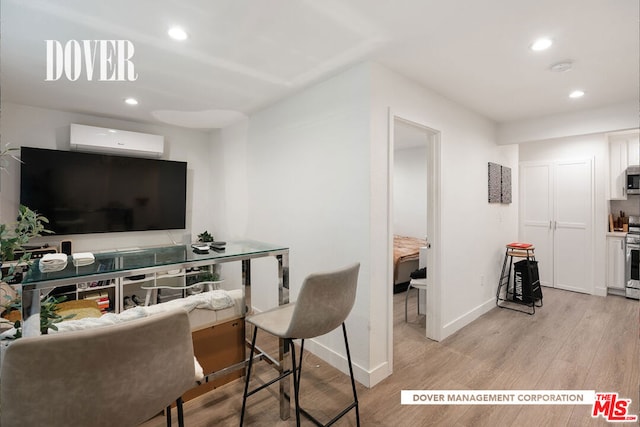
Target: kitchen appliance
633	180
633	258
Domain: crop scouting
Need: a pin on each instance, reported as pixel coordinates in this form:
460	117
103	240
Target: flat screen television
97	193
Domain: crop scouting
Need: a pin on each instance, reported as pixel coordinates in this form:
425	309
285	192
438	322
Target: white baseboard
339	361
601	292
467	318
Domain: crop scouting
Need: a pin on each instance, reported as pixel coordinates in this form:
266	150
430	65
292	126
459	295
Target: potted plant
48	315
205	237
13	239
6	152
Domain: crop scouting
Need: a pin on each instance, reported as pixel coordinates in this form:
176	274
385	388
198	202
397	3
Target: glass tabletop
148	258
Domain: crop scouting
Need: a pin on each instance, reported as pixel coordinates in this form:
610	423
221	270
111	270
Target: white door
536	215
573	264
556	216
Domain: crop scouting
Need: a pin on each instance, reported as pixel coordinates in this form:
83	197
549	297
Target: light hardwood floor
575	342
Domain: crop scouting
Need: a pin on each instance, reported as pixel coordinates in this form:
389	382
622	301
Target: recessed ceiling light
541	44
576	94
177	33
131	101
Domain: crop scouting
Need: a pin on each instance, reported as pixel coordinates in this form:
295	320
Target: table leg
30	312
283	349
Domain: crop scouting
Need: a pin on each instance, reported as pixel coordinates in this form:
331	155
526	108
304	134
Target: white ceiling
245	54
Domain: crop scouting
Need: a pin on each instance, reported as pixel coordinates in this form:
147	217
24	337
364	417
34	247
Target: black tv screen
97	193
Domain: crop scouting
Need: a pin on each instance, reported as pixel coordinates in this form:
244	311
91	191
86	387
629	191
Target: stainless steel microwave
633	180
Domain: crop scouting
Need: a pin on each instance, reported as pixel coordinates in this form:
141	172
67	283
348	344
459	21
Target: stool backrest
118	375
324	302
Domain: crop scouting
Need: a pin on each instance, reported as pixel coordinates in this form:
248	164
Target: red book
520	245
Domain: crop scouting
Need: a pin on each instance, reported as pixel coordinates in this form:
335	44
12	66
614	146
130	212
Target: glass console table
130	262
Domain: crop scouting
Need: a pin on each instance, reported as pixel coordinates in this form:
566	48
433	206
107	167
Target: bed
406	254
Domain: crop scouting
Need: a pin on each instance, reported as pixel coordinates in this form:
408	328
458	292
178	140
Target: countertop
617	234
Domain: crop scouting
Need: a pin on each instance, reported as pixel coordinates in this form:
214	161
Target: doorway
414	207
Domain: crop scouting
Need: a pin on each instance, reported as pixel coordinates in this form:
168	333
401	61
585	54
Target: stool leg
180	412
406	299
168	412
353	381
300	363
246	383
296	382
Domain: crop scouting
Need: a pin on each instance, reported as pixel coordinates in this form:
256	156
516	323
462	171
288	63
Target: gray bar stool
324	302
116	375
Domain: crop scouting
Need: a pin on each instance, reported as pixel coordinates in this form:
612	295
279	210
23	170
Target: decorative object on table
499	183
205	237
52	262
218	246
83	258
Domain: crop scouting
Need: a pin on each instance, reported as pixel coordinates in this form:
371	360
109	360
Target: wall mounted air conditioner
113	141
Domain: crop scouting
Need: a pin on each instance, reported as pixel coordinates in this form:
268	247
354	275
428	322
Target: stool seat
418	283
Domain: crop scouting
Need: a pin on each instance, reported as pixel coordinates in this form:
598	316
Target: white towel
83	258
53	262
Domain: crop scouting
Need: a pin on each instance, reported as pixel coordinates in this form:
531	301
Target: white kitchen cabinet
618	163
556	216
616	262
633	150
624	151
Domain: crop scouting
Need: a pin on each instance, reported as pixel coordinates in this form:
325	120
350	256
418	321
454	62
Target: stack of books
101	298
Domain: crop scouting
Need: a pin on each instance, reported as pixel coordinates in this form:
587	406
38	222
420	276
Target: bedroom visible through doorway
412	211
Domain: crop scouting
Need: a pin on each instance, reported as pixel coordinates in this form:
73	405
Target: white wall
317	167
22	125
297	174
473	232
580	147
410	192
